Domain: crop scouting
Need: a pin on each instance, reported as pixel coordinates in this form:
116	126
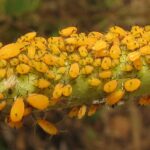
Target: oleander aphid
73	71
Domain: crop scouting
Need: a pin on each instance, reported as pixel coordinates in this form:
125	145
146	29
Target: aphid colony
73	70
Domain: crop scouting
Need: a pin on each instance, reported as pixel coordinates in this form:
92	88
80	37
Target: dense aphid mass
75	71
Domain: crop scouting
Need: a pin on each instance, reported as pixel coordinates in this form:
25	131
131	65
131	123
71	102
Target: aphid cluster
73	70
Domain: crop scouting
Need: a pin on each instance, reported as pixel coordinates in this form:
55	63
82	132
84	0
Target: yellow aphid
22	69
71	40
82	111
118	30
2	73
110	36
115	51
58	91
38	101
137	31
47	126
40	45
67	90
27	111
144	101
127	67
54	49
92	110
99	45
61	70
134	55
106	63
97	62
94	81
73	112
138	64
145	50
23	58
88	69
95	34
41	67
132	84
2	105
105	74
17	110
14	61
27	37
70	48
74	57
74	70
132	45
31	51
1	96
115	97
146	37
83	51
49	59
101	53
43	83
10	50
41	39
68	31
110	86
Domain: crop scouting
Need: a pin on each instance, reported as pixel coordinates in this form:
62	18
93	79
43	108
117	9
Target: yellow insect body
82	111
68	31
115	51
92	109
10	50
110	86
134	55
115	97
38	101
99	45
94	82
145	50
17	110
106	63
74	70
67	90
132	84
47	126
73	112
58	90
23	69
105	74
31	51
83	51
43	83
14	61
118	30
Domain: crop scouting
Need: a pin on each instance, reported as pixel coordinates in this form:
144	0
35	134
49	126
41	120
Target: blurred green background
123	128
